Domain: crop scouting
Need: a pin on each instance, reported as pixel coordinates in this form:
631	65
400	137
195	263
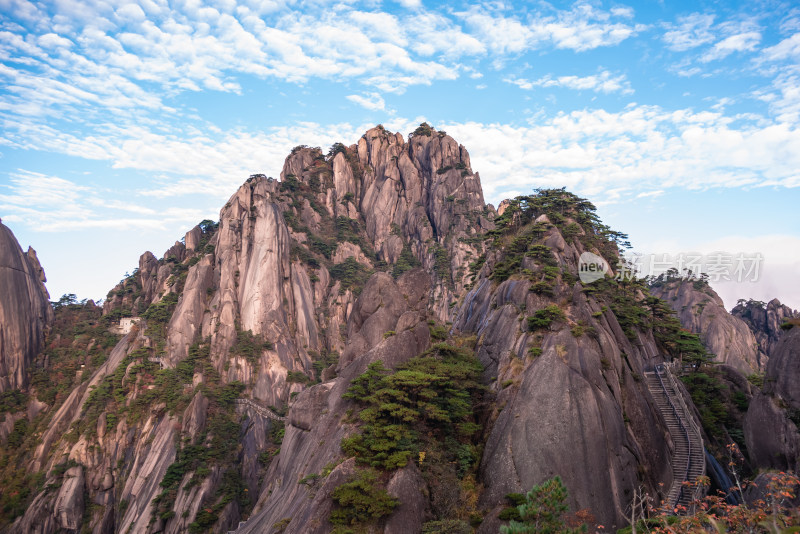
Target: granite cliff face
25	312
266	301
578	381
772	425
765	321
373	253
702	312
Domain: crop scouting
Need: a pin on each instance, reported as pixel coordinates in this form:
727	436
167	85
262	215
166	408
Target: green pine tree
543	511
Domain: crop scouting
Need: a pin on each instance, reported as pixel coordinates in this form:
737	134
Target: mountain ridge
382	252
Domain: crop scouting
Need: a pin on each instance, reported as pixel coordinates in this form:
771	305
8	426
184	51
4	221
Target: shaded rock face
318	414
408	486
25	311
579	410
765	321
69	503
771	425
702	312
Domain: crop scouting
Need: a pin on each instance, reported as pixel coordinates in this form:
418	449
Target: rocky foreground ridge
408	345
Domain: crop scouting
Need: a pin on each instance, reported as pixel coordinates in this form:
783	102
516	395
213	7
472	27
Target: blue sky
124	124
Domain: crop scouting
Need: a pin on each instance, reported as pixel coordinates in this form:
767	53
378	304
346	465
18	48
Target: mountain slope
405	345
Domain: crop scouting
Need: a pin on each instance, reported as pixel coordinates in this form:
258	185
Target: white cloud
576	31
30	188
783	97
604	82
740	42
650	194
372	101
639	149
642	148
789	48
581	28
690	32
791	22
53	204
435	34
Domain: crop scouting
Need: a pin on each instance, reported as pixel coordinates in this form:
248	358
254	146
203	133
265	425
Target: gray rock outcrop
25	311
765	321
771	425
355	257
584	394
701	311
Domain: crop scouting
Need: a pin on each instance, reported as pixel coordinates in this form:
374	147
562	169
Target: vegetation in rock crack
215	449
78	344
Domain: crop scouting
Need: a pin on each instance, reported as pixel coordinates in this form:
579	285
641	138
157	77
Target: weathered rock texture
771	425
584	394
303	284
268	293
702	312
765	321
25	311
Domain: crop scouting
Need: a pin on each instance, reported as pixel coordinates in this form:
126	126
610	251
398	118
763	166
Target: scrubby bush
545	317
360	501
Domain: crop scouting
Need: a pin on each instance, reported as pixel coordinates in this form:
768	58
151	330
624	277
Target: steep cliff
265	301
559	367
25	312
772	426
765	321
407	355
566	362
702	311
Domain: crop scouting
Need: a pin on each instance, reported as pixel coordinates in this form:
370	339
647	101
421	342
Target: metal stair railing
685	435
692	423
697	452
682	416
260	410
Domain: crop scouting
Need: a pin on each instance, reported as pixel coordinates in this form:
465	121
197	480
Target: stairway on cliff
259	409
688	458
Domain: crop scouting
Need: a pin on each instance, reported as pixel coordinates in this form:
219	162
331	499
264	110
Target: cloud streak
604	82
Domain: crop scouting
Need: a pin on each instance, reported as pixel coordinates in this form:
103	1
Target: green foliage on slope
434	392
360	501
214	449
77	344
426	412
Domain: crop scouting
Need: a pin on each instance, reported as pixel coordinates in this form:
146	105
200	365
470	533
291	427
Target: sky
122	125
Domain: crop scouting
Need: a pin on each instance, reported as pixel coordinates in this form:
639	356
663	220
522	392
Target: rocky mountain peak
765	321
702	312
363	328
